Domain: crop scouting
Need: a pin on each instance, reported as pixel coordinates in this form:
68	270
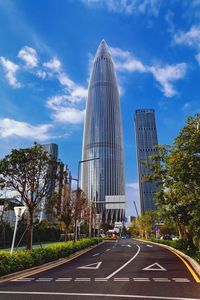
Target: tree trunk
30	231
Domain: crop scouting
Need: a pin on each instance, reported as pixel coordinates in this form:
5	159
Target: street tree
28	172
176	170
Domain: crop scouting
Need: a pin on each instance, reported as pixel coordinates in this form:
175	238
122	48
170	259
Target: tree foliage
27	171
176	169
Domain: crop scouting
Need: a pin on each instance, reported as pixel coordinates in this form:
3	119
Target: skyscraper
103	139
146	139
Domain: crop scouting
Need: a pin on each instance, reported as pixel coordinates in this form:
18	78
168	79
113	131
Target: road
125	269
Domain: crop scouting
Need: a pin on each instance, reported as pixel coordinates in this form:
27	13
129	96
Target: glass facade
103	135
146	139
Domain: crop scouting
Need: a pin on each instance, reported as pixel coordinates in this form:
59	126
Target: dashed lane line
97	295
64	279
121	279
108	250
95	254
82	279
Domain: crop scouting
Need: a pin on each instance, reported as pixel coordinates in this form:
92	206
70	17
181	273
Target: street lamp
19	210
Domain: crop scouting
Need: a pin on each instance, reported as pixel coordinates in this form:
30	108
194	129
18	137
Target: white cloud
10	70
54	65
167	75
63	112
124	61
69	115
29	56
150	7
10	128
189	38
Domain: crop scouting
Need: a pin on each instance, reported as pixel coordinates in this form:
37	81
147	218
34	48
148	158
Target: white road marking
93	266
107	249
181	279
129	246
63	279
121	279
95	254
154	267
141	279
82	279
96	295
150	246
124	265
161	279
23	279
43	280
100	279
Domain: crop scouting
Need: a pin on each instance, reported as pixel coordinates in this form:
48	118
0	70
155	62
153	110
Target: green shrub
24	259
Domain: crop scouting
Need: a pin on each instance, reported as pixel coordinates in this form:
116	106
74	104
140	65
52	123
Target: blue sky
46	52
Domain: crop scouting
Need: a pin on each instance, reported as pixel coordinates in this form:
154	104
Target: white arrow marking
154	267
93	266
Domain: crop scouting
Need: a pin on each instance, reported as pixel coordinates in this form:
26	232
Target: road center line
124	265
96	295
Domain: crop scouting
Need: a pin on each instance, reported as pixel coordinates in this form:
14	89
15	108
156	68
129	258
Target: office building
146	139
103	178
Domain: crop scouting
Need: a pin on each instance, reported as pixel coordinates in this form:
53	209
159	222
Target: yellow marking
196	277
55	265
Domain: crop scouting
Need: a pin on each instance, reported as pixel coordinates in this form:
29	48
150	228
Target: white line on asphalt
95	254
121	279
181	279
82	279
141	279
107	249
100	279
150	246
161	279
96	295
122	267
63	279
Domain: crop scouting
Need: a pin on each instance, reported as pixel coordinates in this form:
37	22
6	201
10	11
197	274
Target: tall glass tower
103	139
146	139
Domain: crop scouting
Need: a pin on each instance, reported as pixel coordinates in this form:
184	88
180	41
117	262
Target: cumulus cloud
69	115
124	61
166	75
150	7
189	38
10	70
29	56
10	128
63	112
54	64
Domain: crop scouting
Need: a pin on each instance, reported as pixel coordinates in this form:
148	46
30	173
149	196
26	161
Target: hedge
24	259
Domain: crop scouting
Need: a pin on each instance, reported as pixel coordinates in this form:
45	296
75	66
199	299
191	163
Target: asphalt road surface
125	269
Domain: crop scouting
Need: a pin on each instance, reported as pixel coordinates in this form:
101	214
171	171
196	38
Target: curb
46	266
190	260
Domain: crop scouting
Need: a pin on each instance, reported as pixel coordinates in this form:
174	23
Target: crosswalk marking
99	279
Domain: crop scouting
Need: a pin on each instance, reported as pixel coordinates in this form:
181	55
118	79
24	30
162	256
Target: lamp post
79	164
19	210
